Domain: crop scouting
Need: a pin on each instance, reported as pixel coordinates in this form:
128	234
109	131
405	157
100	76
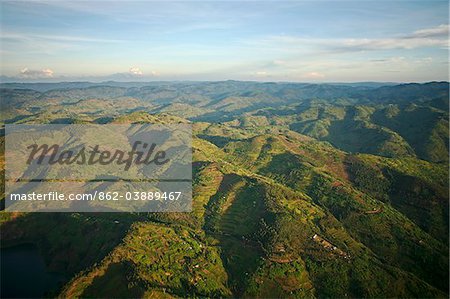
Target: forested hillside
300	190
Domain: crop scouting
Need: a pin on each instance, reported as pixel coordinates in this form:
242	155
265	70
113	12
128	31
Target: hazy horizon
6	81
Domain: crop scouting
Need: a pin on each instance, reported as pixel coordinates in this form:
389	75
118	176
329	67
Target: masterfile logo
55	154
105	168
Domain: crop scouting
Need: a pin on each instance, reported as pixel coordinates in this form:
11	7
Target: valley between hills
299	191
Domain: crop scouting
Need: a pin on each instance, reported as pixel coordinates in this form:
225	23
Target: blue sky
302	41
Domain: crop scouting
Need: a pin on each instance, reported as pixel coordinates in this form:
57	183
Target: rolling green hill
300	191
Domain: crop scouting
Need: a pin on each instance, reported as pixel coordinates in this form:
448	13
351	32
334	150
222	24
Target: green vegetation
299	191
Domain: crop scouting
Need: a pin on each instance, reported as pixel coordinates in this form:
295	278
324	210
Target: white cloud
261	74
279	62
424	60
391	43
27	37
35	74
424	38
441	30
136	71
313	75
